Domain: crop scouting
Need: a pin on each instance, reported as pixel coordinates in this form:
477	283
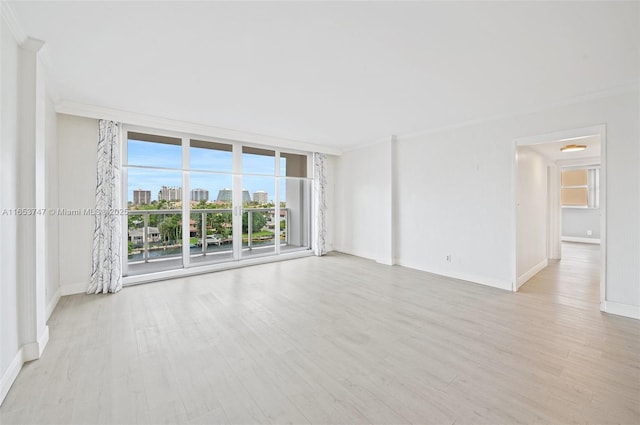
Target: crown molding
12	22
168	124
561	135
629	87
32	44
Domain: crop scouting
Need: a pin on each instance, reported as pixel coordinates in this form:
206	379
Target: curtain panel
320	202
106	264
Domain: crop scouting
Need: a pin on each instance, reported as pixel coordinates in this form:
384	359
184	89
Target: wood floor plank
337	339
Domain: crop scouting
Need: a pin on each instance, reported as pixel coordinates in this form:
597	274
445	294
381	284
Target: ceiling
551	150
332	73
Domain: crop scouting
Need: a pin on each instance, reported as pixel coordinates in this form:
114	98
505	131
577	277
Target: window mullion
276	218
125	199
186	216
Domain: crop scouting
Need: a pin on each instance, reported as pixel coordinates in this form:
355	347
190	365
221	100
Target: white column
31	244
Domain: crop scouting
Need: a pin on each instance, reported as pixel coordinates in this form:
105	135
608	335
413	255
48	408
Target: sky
215	166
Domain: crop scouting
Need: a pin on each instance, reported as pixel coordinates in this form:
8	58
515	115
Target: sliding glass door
194	202
258	202
211	202
154	191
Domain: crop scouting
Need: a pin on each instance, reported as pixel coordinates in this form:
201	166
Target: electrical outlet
449	257
589	232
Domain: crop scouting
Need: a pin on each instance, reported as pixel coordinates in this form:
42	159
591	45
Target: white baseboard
356	253
619	309
385	261
74	288
522	279
27	352
33	350
53	302
482	280
10	375
581	240
30	351
43	341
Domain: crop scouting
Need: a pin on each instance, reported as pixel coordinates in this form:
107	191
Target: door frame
600	130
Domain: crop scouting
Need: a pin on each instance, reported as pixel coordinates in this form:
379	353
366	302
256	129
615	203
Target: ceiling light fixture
573	148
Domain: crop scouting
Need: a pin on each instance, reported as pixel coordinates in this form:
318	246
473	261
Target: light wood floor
337	339
574	281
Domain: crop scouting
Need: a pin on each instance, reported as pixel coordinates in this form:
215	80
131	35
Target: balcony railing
157	234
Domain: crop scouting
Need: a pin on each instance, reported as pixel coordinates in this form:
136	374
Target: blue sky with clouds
170	156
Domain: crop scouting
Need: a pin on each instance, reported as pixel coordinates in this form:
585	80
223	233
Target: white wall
454	196
77	149
454	199
9	314
531	214
577	221
362	201
51	202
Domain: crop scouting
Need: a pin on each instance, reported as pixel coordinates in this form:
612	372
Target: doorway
542	176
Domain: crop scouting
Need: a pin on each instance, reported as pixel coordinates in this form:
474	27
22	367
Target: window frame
592	186
236	175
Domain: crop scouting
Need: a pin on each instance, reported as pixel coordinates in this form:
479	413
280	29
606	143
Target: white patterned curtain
320	202
106	264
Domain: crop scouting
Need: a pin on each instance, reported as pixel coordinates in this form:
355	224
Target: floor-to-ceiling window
211	202
295	200
259	216
153	173
194	202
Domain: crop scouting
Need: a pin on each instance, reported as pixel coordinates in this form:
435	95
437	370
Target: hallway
572	281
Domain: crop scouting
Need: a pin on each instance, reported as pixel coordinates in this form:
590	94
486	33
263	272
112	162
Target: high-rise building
198	195
226	195
260	197
141	197
170	193
246	198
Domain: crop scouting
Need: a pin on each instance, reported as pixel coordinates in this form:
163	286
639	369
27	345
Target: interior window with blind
580	187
